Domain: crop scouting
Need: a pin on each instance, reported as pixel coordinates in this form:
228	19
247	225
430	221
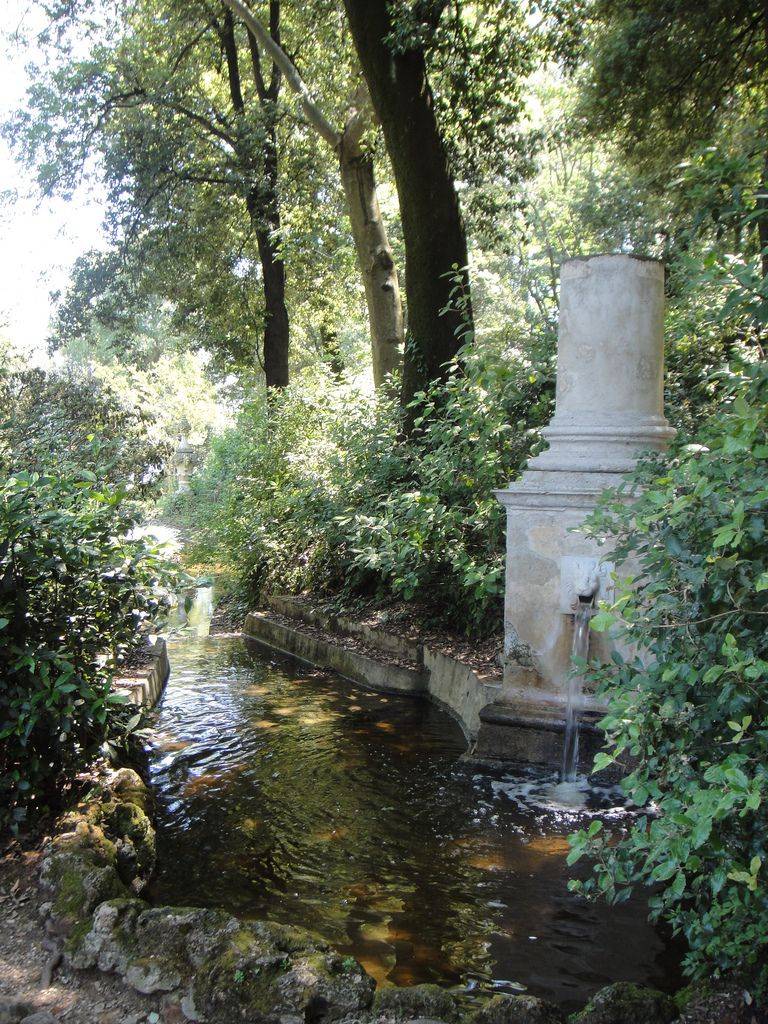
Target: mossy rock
134	838
185	935
155	973
125	786
108	941
117	812
79	872
416	1001
268	971
625	1003
155	949
524	1009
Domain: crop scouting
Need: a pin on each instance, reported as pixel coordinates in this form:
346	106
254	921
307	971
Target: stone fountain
609	408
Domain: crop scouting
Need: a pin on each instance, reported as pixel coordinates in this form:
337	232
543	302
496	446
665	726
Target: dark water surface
289	794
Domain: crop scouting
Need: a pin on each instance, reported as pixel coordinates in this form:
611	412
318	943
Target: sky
39	240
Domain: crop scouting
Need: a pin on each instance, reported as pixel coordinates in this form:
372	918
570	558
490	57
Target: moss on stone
136	848
235	986
523	1009
79	873
625	1003
265	971
77	935
417	1001
126	786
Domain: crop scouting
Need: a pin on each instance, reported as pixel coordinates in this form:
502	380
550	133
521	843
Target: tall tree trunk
264	209
276	324
374	255
762	220
433	230
263	202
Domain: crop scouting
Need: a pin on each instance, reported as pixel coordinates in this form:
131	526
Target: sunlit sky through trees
39	240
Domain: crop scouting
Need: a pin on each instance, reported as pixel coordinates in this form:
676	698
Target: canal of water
289	794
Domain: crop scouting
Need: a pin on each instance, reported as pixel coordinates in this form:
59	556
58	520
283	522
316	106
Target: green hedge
322	493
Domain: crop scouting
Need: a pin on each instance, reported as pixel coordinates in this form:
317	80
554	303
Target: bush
69	419
691	708
73	592
322	493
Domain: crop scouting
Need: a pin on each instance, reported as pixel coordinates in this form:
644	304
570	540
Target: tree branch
282	61
258	78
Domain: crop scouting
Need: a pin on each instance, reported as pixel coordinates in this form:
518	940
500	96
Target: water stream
286	793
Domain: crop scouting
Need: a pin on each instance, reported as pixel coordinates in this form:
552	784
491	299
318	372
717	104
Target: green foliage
690	707
662	76
144	100
73	592
70	420
324	494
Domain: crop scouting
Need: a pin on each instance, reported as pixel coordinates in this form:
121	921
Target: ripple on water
288	794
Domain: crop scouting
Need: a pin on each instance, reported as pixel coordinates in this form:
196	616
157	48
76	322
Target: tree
665	79
433	230
178	135
374	253
72	421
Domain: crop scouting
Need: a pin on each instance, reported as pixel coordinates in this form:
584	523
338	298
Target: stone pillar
184	461
609	408
610	359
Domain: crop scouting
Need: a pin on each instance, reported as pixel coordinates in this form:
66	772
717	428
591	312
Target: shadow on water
288	794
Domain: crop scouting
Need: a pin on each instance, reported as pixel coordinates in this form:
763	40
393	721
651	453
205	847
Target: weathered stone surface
128	825
609	408
624	1003
418	1001
127	786
104	943
43	1017
108	852
79	872
13	1010
156	949
265	971
226	969
524	1009
423	1020
152	974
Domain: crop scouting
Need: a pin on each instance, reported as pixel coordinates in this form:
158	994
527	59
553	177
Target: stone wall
382	661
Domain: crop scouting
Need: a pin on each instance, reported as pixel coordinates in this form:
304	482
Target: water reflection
289	795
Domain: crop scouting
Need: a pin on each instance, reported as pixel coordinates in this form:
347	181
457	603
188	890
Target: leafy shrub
70	419
691	708
73	591
323	493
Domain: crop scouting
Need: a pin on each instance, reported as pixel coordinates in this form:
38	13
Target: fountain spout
587	591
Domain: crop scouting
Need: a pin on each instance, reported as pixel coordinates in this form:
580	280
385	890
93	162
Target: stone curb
144	686
448	682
